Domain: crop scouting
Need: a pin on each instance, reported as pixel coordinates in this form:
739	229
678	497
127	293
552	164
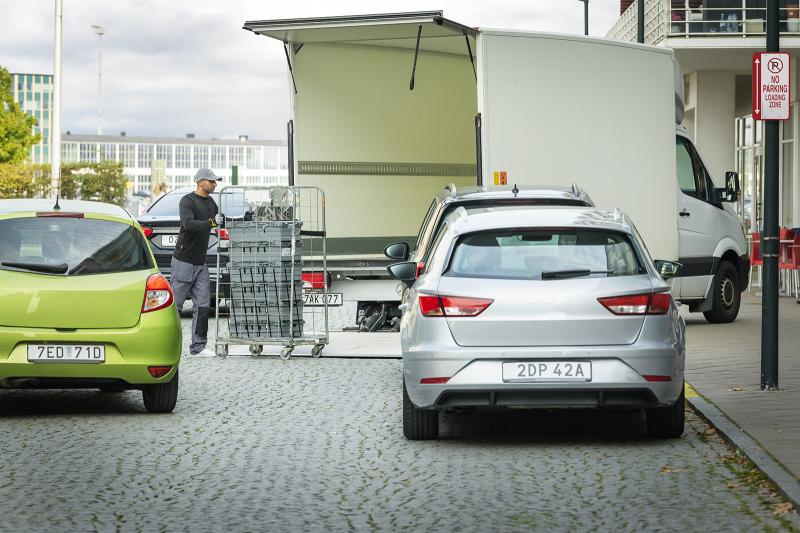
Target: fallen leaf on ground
737	389
782	508
671	470
733	485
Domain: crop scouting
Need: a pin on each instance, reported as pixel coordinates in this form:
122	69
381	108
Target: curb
788	485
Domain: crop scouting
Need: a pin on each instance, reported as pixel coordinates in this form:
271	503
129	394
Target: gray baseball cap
206	174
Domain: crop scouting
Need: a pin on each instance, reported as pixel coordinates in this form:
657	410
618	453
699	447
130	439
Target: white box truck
388	109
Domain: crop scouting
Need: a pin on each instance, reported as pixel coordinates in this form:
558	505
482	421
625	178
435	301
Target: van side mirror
731	191
405	271
398	251
667	269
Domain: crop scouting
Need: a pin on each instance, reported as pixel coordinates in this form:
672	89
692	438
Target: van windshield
71	246
544	254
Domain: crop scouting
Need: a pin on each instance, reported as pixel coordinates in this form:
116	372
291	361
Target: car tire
162	397
418	424
667	422
726	296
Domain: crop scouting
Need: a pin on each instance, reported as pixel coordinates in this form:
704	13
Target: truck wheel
418	424
726	296
162	397
667	422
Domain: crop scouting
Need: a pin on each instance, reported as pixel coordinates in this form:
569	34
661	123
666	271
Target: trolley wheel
256	349
316	351
222	350
286	353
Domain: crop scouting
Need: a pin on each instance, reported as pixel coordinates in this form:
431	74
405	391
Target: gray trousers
193	281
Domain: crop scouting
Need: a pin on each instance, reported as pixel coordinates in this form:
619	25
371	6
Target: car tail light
157	293
313	280
147	231
434	381
650	377
222	234
159	371
420	268
452	306
638	304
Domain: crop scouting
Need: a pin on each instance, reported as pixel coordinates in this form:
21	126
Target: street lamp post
55	130
585	16
100	31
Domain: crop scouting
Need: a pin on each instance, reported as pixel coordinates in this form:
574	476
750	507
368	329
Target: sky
172	67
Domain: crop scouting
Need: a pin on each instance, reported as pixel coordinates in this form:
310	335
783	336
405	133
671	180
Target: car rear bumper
476	379
154	341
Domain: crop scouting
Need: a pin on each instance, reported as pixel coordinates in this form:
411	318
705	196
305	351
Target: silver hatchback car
546	308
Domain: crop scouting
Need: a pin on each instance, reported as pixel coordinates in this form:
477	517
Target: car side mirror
405	271
398	251
731	191
667	269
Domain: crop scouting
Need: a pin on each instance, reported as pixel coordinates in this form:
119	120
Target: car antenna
56	207
515	190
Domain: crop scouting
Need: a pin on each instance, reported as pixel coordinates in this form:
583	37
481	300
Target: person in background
189	276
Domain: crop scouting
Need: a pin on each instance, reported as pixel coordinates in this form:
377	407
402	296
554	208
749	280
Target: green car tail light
157	293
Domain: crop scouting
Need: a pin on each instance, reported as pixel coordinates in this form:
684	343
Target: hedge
102	182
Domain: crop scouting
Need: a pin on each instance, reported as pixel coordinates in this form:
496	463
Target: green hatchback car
83	304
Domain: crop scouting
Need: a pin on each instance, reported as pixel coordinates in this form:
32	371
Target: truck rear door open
384	110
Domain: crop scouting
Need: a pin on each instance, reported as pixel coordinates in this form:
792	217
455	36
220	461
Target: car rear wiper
38	267
564	274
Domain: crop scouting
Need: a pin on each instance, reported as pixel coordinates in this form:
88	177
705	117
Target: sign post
771	97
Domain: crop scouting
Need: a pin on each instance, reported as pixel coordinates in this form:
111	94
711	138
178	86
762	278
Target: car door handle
685	213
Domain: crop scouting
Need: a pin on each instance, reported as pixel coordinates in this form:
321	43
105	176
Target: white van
388	109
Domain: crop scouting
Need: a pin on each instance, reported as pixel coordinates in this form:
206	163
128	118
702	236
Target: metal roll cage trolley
272	269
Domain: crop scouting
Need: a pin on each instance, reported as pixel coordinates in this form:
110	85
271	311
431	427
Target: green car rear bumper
154	341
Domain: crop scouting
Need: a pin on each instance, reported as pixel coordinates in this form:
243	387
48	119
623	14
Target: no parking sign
771	86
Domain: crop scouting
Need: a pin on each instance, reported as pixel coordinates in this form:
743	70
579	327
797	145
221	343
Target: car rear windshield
167	205
544	254
71	246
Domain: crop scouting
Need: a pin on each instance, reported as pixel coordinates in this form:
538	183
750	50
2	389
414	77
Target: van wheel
726	296
667	422
418	424
162	397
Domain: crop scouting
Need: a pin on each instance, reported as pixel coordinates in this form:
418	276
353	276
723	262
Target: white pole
100	31
55	130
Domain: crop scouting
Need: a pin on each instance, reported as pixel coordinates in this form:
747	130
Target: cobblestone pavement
307	445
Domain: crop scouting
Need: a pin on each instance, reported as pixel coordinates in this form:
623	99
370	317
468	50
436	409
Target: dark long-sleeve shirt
196	212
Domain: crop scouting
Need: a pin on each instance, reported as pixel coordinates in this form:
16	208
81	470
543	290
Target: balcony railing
677	18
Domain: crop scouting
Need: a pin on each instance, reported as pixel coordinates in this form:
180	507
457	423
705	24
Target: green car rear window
71	246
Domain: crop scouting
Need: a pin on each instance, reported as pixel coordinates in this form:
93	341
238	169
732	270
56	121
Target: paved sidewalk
723	363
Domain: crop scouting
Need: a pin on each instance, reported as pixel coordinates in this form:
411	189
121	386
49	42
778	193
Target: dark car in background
161	225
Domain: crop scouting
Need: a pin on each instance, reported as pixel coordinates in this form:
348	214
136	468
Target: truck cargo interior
388	107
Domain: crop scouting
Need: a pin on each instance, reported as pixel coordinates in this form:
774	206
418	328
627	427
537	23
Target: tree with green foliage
16	126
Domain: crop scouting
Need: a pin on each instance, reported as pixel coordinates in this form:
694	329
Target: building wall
148	162
34	93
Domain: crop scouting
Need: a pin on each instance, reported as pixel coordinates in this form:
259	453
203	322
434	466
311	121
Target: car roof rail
452	188
622	218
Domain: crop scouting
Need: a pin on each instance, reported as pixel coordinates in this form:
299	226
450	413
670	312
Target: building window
164	153
88	152
69	152
218	158
200	159
142	183
236	155
127	154
254	157
108	152
183	156
145	155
